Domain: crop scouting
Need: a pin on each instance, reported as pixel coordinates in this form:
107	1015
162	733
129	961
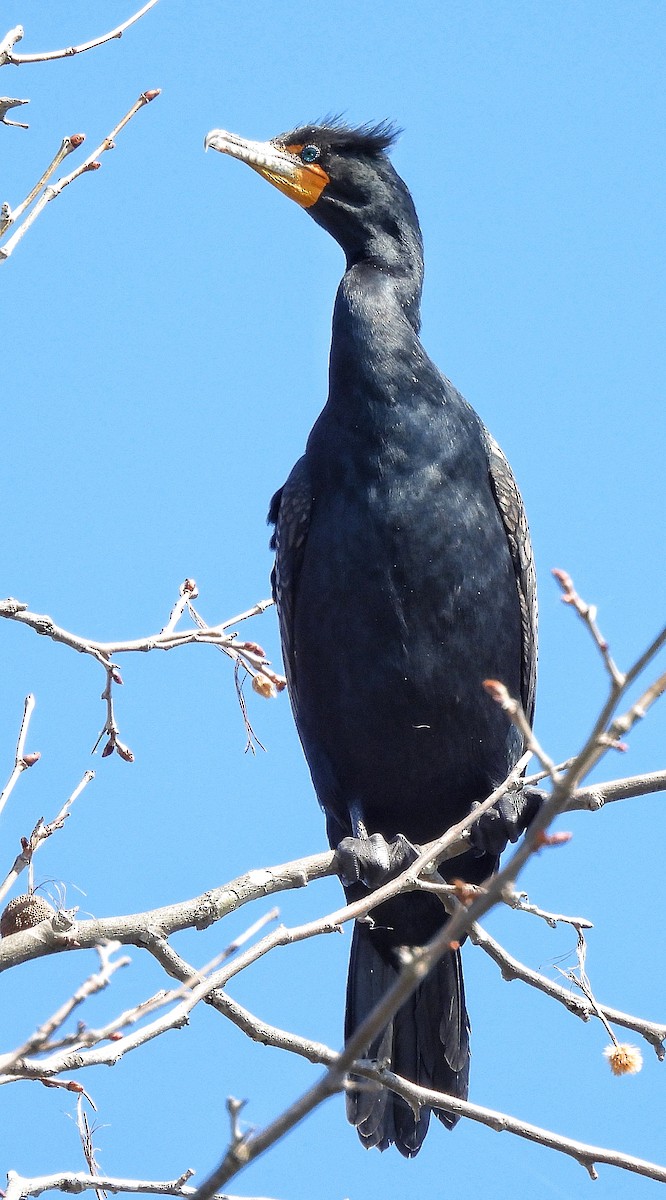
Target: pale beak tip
211	138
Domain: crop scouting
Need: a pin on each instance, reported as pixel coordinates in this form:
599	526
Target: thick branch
586	1155
424	958
75	1182
212	906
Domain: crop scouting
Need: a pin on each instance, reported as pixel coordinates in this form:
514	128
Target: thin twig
204	910
520	902
11	215
87	1144
588	614
42	1036
91	163
21	760
7	103
84	1047
247	654
19	60
423	958
42	831
511	968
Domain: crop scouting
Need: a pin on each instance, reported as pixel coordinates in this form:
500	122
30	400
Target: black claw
373	861
506	821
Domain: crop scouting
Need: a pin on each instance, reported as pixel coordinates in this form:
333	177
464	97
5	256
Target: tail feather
427	1042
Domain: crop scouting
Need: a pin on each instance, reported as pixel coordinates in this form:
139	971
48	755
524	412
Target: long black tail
427	1042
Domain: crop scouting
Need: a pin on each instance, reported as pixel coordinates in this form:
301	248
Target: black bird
404	577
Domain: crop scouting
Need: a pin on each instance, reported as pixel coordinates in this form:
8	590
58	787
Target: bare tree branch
7	55
75	1182
9	216
21	760
588	614
587	1155
580	1006
8	42
144	928
94	983
83	1047
422	959
42	831
52	190
248	655
152	930
589	799
8	102
520	902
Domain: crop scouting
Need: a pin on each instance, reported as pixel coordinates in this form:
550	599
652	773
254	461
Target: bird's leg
371	860
506	821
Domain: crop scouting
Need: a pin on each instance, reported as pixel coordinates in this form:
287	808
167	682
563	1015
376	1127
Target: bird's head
341	175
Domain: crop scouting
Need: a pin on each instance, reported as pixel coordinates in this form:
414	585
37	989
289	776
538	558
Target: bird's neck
395	256
376	323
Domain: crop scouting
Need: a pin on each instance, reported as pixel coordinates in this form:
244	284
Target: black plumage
404	577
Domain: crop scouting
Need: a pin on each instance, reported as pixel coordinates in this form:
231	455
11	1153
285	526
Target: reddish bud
497	691
116	676
115	1037
124	752
454	945
29	760
73	1086
466	892
93	166
77	139
552	839
254	648
151	94
189	588
108	749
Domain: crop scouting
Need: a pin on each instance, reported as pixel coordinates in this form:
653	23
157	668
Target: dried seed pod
23	912
263	686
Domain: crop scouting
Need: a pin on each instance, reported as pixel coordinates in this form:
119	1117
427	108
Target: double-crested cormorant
403	578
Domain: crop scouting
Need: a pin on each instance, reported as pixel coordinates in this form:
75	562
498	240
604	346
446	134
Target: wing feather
512	511
290	512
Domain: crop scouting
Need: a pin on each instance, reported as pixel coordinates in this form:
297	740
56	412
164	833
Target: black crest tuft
334	134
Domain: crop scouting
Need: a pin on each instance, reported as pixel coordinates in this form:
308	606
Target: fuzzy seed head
624	1059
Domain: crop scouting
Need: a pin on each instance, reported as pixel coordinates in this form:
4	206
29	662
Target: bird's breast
406	601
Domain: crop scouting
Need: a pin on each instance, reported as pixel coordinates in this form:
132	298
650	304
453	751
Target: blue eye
310	154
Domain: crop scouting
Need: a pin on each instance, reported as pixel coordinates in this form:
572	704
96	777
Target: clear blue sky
166	326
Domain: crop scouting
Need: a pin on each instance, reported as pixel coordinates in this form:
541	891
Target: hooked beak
281	166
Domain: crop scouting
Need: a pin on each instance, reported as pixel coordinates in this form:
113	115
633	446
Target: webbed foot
506	821
372	860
